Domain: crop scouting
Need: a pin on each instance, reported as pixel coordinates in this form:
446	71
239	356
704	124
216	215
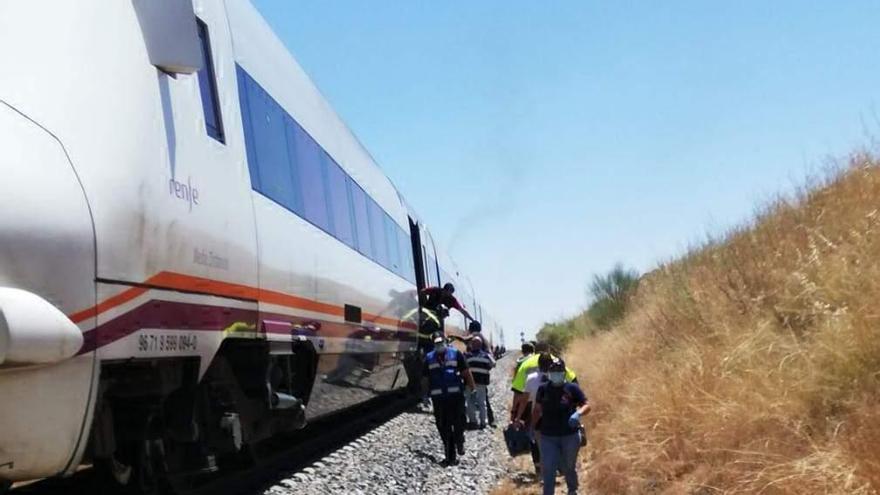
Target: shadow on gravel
523	478
424	455
418	409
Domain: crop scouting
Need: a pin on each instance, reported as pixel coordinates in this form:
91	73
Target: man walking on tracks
446	371
474	329
480	363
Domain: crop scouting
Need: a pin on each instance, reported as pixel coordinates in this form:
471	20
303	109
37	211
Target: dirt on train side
751	364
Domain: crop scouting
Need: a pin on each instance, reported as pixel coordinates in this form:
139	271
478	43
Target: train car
196	254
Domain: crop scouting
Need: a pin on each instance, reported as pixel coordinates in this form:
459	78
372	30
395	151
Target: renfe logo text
185	192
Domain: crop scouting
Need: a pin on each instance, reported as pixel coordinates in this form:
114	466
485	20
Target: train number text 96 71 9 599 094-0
167	343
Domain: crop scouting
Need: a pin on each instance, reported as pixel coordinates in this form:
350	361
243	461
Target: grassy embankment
752	363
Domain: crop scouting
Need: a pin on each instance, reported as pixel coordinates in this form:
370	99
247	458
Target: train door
418	254
412	361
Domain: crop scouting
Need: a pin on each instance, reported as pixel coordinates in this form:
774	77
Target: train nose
47	254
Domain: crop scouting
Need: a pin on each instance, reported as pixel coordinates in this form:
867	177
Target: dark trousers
535	448
536	454
489	414
449	415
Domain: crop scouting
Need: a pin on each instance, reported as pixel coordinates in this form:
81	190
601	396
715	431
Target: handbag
517	441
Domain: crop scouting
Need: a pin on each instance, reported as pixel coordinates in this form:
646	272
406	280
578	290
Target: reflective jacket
444	375
529	364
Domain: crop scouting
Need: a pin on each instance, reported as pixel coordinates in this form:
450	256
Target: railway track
278	458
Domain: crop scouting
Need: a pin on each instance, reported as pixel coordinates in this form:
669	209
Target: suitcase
517	441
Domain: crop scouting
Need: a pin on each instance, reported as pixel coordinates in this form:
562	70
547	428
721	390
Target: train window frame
309	159
376	216
362	220
392	244
207	79
339	202
268	132
244	90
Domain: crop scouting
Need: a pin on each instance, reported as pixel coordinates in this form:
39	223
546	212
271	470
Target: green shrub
610	295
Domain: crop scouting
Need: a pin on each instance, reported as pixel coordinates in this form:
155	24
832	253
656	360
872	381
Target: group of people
456	382
547	402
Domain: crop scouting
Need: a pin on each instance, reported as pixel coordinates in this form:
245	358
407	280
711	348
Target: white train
196	254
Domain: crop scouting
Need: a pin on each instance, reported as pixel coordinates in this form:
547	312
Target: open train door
418	259
413	362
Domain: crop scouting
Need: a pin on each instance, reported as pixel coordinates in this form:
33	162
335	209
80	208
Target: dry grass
752	364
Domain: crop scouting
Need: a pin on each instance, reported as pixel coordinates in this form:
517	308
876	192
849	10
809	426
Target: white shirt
533	381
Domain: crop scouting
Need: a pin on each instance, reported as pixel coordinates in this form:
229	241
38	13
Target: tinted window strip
244	105
377	234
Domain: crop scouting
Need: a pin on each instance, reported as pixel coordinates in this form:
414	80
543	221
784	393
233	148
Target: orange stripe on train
189	283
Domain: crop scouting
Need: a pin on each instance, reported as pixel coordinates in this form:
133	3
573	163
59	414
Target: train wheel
121	473
141	474
138	467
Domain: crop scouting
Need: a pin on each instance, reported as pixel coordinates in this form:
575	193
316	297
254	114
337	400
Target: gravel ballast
403	456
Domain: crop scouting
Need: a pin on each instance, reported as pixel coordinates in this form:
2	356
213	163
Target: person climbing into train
559	406
480	363
436	303
446	375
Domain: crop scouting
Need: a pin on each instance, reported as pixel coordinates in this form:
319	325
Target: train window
425	266
339	207
377	233
208	87
289	167
361	220
269	146
297	199
310	164
431	267
408	266
244	87
393	246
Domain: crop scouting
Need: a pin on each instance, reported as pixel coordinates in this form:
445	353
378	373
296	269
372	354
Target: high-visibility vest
443	377
530	364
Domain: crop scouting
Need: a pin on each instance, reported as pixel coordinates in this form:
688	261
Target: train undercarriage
158	428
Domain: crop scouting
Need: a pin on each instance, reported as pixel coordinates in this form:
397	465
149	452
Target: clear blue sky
566	136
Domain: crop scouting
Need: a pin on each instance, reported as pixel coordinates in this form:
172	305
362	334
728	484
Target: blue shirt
557	405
